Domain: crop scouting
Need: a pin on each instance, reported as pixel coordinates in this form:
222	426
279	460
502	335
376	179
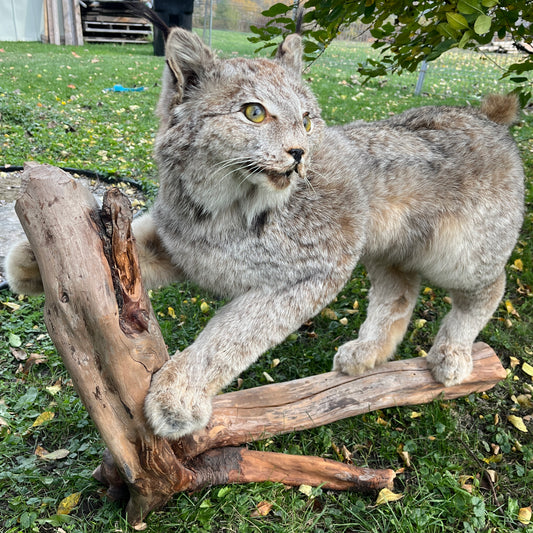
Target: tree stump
103	326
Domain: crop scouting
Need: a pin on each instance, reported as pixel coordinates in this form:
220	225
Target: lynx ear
290	52
188	59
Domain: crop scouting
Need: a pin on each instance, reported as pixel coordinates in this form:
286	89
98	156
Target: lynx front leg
179	400
392	298
450	357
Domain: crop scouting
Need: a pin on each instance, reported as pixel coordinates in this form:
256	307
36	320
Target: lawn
462	465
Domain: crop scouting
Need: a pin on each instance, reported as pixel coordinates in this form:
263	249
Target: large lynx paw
450	365
355	357
173	407
22	270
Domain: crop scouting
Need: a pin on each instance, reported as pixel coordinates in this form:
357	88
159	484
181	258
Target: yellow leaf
381	421
524	515
514	361
204	307
415	414
528	369
518	265
517	422
42	418
67	504
53	389
329	313
386	495
510	308
306	489
171	312
13	306
268	377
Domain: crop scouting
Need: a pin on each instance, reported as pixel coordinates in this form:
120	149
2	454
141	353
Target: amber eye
307	123
255	112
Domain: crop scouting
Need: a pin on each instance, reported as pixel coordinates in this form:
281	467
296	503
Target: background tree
408	33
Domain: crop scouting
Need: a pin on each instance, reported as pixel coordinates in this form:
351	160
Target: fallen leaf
40	451
204	307
524	400
33	359
18	354
53	389
518	265
262	509
171	312
386	495
306	489
510	308
517	422
415	414
524	515
268	377
55	455
14	340
3	422
513	362
528	369
43	418
67	504
275	363
12	305
76	55
329	314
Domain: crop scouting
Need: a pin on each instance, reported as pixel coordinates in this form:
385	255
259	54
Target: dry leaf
513	362
518	265
275	363
329	313
33	359
524	400
67	504
386	495
62	453
18	353
40	451
171	312
268	377
12	305
53	389
524	515
204	307
262	509
510	308
415	414
43	418
517	422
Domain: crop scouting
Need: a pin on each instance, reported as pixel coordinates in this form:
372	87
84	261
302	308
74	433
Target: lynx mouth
280	180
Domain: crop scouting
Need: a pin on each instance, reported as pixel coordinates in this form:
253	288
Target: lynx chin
263	204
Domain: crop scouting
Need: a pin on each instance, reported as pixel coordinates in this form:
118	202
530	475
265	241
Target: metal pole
210	20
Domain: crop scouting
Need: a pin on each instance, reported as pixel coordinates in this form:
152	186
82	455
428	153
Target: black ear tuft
143	11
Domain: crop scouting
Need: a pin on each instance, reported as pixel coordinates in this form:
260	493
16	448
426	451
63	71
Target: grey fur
434	193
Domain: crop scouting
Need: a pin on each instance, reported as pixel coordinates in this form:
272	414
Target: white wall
21	20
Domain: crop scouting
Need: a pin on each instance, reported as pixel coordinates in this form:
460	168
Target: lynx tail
501	108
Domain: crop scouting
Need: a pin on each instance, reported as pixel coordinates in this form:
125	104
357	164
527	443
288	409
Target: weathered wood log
101	321
252	414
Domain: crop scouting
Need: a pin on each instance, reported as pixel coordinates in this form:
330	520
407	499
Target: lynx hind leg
22	271
450	358
156	266
392	298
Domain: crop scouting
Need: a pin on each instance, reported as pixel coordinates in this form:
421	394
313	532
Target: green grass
53	109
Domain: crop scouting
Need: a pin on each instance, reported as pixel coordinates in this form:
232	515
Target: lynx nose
297	154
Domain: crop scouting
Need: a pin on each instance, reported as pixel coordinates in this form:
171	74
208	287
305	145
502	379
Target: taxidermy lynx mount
262	203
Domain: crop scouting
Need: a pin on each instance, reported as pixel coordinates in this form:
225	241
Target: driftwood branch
101	321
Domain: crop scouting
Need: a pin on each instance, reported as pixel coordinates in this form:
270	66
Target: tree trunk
103	326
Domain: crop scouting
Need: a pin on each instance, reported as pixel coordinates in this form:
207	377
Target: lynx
263	204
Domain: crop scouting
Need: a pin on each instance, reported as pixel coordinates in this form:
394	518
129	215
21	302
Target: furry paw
173	407
22	270
450	365
355	357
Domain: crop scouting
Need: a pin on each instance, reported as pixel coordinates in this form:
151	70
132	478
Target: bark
103	326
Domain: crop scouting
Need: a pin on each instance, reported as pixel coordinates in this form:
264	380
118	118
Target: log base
103	326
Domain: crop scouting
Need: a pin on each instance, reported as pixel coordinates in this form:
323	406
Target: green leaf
467	36
14	340
457	21
469	7
277	9
482	24
489	3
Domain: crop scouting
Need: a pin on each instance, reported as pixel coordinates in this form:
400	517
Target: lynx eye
255	113
307	123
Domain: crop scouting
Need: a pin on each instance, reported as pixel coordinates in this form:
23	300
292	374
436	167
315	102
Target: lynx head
236	130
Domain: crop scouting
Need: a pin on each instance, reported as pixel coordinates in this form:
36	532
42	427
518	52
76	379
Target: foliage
408	33
444	453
